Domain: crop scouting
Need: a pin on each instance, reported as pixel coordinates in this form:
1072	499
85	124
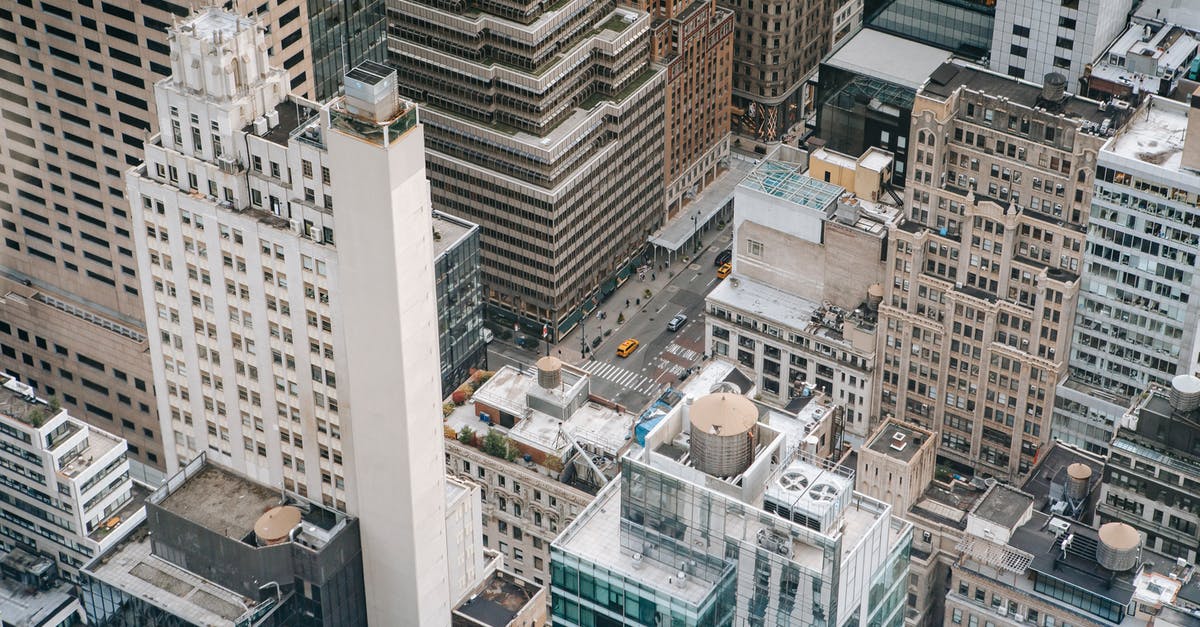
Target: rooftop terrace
500	600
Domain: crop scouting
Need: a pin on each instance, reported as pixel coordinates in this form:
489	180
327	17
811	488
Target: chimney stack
1191	141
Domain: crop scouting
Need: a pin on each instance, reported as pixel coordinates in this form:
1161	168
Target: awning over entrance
680	229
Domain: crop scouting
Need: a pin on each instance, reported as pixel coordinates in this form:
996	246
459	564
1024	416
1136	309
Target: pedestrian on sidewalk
653	277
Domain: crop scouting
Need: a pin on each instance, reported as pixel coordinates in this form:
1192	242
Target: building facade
342	35
66	494
1135	324
776	47
810	329
976	319
459	299
77	82
694	40
551	140
1152	474
1031	39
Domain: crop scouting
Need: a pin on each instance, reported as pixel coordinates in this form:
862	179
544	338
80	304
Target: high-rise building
255	312
776	49
66	492
723	520
694	40
1153	473
1134	324
459	299
800	331
1031	38
76	85
976	319
545	127
342	35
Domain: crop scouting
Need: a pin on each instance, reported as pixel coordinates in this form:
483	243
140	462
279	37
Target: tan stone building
896	464
76	83
976	319
694	40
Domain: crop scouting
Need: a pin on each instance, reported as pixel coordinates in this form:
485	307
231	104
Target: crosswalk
685	353
621	376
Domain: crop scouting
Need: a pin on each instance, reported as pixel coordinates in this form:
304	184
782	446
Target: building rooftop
894	59
1047	483
131	567
952	75
897	441
947	503
21	606
787	181
19	402
1141	63
1185	13
221	501
786	309
449	231
1003	505
215	20
128	512
500	600
294	112
1154	135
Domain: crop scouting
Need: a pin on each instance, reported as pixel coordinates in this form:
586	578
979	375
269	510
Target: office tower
1023	565
963	27
694	40
800	330
1031	38
459	299
1151	476
255	312
342	35
67	492
1134	324
977	316
777	46
218	549
545	127
723	520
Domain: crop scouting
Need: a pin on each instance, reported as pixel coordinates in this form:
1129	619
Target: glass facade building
344	33
960	26
657	549
459	299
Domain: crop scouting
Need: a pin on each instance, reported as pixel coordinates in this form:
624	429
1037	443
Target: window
1019	51
1064	43
754	248
1020	31
1060	62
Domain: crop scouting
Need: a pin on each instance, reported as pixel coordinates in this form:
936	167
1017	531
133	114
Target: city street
663	356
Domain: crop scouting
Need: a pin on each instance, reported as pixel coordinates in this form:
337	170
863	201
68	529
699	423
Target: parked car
723	257
677	322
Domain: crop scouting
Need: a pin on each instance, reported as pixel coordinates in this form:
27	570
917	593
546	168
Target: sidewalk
657	278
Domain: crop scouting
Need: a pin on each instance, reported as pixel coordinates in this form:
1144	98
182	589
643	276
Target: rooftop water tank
549	372
1118	547
1185	392
1054	88
722	433
1078	476
276	525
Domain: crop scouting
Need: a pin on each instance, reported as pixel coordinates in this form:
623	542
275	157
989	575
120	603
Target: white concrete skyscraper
389	326
254	313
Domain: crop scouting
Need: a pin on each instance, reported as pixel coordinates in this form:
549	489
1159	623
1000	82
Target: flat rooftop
894	59
450	230
787	181
214	20
1003	505
951	75
293	113
137	500
131	567
19	606
1154	135
221	501
765	302
947	503
499	602
1049	477
903	447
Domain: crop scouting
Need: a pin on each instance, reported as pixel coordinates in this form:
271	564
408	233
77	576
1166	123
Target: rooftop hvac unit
1059	526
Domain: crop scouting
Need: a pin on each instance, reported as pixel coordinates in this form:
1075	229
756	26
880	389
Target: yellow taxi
724	270
627	347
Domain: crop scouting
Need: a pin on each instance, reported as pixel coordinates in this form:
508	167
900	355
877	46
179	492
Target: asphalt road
662	357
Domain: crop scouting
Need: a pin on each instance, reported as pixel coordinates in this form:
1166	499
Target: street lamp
696	232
